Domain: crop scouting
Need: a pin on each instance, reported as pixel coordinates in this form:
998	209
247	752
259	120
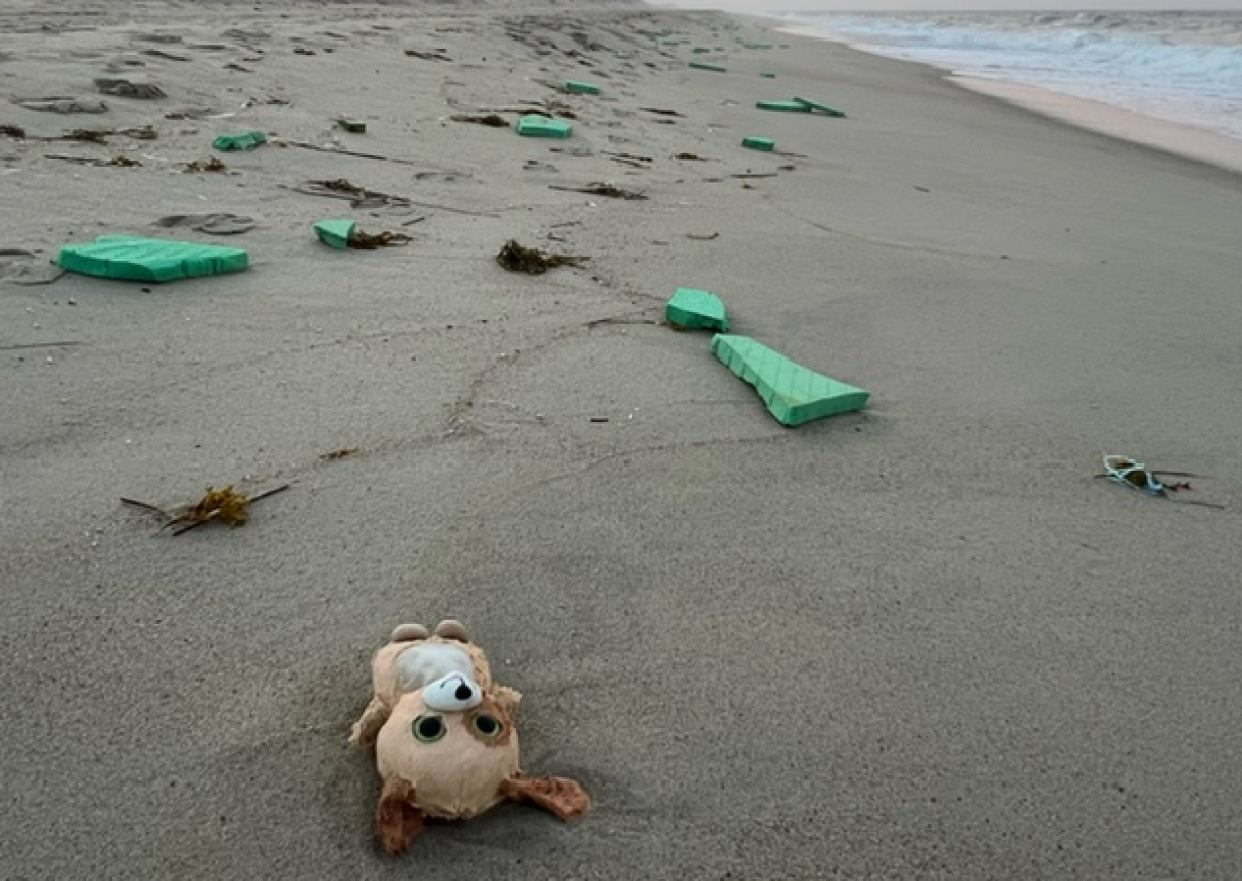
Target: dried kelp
607	190
661	112
213	165
359	197
518	258
370	241
225	505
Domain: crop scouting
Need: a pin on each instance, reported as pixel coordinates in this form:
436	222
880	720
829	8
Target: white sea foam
1185	67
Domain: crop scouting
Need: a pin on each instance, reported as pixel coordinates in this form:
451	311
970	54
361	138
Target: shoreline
1177	138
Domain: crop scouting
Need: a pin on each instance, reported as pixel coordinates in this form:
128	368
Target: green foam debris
242	141
335	233
767	145
822	108
792	393
535	126
703	65
577	87
695	309
783	106
132	258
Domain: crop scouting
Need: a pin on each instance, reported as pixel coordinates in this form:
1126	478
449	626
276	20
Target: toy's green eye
429	729
488	726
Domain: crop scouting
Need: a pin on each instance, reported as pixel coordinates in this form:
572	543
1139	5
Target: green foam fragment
335	233
703	65
822	108
792	393
535	126
783	106
242	141
768	76
700	50
767	145
697	309
132	258
356	126
577	87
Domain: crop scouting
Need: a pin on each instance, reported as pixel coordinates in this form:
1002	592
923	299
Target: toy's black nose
463	693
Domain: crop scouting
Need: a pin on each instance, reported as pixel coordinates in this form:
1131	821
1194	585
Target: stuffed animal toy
444	738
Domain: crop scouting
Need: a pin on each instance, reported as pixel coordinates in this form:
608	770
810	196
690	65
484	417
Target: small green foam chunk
700	50
703	65
792	393
335	233
243	141
535	126
767	145
578	87
783	106
132	258
696	309
822	108
356	126
768	76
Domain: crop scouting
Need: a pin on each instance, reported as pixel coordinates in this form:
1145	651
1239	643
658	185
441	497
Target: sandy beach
922	641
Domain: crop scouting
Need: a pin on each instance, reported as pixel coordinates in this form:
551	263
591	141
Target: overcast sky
859	5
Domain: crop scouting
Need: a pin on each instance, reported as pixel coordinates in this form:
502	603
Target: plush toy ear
399	821
561	796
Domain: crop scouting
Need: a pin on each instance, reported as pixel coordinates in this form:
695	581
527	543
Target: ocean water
1184	67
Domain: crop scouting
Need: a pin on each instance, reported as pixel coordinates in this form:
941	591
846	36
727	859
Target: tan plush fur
471	760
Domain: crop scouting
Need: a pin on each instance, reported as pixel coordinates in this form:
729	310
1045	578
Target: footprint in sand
215	224
158	38
62	104
128	89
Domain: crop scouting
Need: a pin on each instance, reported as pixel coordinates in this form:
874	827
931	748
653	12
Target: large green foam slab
695	309
793	394
131	258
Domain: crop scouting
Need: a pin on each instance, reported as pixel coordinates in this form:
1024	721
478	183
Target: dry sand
918	642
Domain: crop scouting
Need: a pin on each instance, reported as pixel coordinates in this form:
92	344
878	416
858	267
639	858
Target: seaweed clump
518	258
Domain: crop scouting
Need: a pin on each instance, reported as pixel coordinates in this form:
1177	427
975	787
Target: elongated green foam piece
700	50
577	87
768	76
131	258
696	309
783	106
535	126
822	108
703	65
335	233
242	141
792	393
767	145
